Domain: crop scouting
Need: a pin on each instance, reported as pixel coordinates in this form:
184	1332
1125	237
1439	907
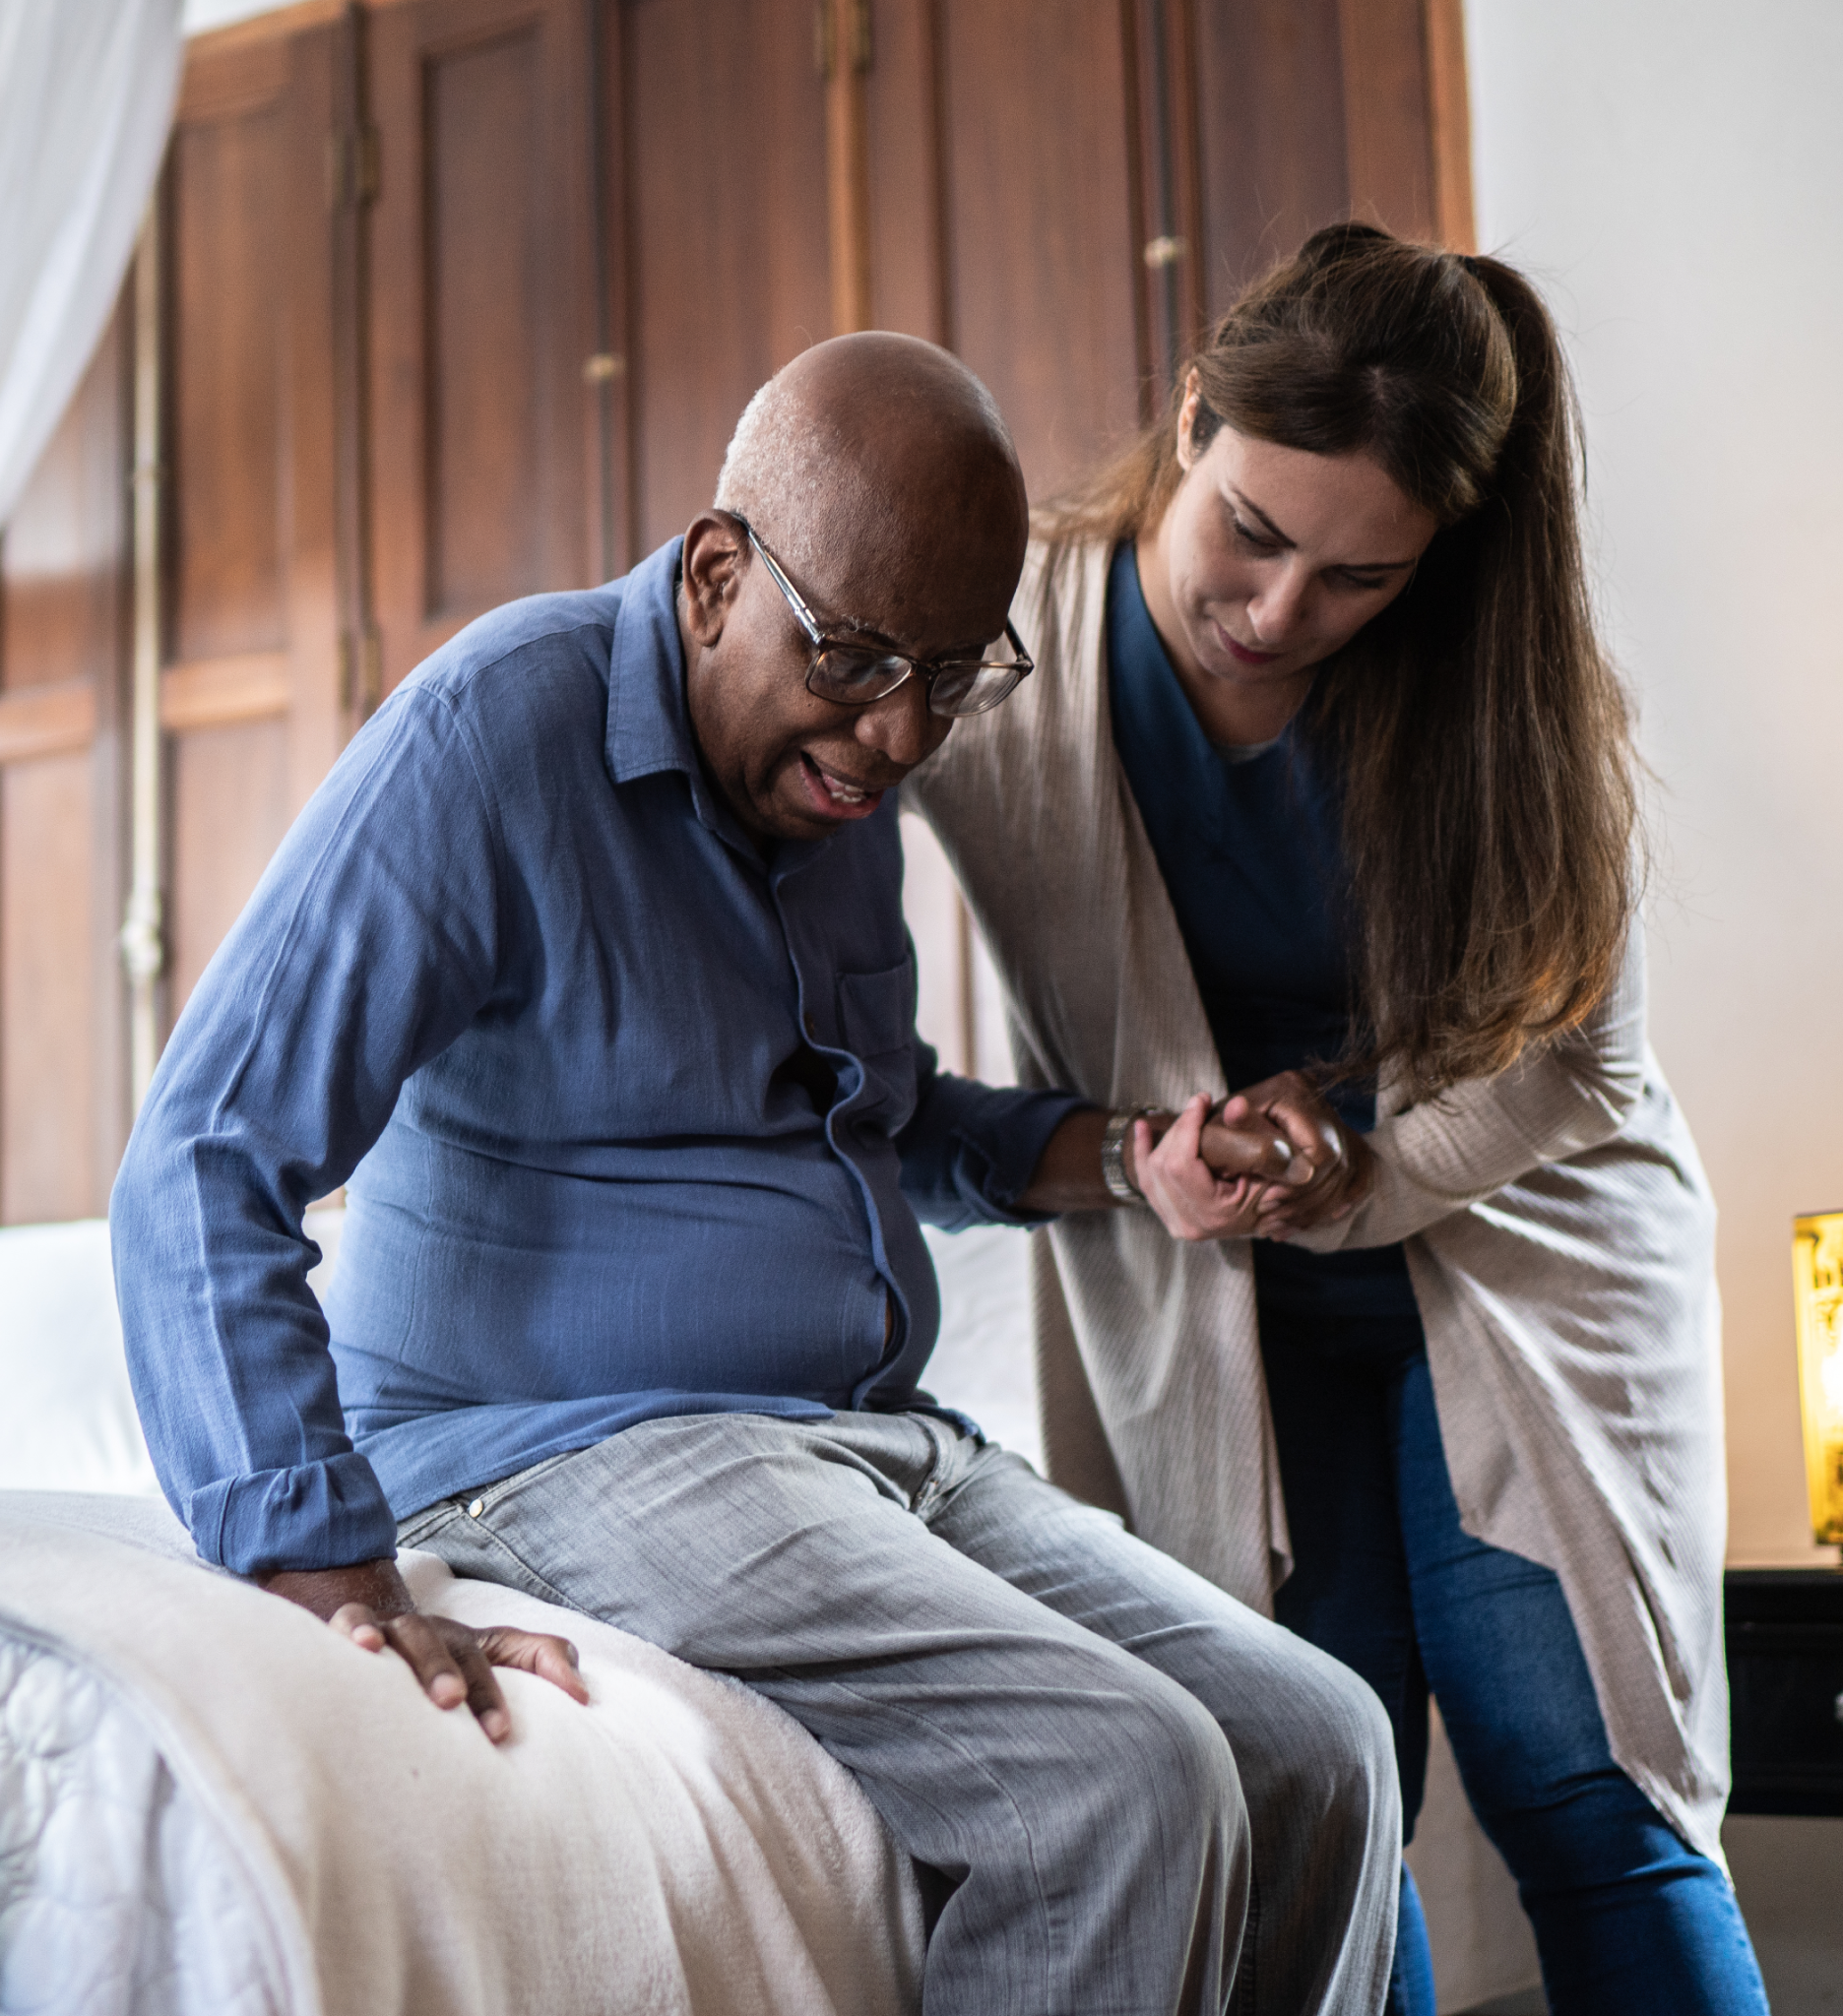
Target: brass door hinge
859	48
352	167
360	674
142	939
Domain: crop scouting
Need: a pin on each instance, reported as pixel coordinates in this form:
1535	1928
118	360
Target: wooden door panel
902	117
229	789
484	363
1040	227
726	231
49	1007
63	606
1312	111
1270	106
481	312
228	319
251	691
61	581
1388	128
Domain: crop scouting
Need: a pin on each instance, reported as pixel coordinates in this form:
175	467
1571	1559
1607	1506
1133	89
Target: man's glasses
859	675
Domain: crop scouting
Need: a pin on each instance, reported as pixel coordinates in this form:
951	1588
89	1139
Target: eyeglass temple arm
794	600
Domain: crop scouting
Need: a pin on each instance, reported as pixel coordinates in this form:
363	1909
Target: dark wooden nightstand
1785	1671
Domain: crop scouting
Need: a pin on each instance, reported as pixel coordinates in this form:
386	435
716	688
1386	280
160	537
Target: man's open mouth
837	796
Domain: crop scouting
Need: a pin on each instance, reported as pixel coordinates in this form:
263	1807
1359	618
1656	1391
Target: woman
1323	792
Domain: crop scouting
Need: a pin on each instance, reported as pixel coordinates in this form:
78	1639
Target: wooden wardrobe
452	300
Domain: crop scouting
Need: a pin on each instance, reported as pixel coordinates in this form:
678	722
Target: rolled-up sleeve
969	1150
369	944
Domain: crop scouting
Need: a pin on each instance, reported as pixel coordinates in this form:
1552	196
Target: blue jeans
1628	1919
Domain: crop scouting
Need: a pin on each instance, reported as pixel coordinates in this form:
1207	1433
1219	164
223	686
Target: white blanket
678	1846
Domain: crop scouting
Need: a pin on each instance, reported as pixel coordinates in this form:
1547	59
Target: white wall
1672	173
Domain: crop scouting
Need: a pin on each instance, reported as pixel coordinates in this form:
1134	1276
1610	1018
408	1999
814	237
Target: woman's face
1267	561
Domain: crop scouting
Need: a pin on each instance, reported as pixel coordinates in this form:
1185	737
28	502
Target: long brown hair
1480	736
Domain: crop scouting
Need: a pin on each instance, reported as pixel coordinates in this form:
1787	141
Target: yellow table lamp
1817	1277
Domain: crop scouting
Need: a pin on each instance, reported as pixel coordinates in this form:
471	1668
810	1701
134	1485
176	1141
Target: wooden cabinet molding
216	691
251	693
51	718
63	661
1449	114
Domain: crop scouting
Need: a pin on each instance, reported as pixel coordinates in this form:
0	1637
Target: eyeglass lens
959	687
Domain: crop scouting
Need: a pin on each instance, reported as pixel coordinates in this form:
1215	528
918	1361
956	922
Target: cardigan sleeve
1560	1100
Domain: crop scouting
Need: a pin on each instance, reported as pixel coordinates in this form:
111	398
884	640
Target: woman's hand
1336	1163
1199	1196
1203	1173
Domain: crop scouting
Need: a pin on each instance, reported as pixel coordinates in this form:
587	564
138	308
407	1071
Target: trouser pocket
415	1531
421	1527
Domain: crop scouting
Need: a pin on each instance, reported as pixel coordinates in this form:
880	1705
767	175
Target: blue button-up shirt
635	1121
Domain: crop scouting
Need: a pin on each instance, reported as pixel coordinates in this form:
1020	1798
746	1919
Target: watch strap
1113	1153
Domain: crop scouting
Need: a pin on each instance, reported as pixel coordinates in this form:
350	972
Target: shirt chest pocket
876	1016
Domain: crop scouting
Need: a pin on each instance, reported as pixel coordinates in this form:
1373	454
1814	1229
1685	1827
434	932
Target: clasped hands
1271	1161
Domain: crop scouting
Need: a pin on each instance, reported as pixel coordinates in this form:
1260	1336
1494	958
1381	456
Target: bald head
879	439
878	473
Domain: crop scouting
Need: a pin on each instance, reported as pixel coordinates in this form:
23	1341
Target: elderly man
587	968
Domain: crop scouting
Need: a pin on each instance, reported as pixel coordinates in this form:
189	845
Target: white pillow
69	1421
67	1418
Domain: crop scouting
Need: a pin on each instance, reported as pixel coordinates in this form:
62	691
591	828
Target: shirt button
812	1029
476	1508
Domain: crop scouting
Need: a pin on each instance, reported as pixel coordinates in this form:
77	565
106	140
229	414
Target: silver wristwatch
1113	1153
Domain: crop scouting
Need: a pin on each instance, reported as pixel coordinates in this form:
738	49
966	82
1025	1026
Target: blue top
1252	855
644	1120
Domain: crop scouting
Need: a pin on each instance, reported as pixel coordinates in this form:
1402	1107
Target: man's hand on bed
369	1604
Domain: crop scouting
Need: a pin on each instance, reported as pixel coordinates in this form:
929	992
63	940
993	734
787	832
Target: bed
209	1802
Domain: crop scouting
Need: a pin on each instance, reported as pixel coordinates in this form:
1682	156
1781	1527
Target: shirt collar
648	726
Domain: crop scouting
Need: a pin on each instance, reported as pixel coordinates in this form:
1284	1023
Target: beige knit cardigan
1559	1228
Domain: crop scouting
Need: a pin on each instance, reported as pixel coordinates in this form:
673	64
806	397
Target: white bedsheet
211	1802
118	1897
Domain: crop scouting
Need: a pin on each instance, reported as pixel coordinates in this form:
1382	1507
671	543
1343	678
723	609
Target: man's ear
715	553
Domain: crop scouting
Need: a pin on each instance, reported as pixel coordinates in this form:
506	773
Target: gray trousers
1142	1797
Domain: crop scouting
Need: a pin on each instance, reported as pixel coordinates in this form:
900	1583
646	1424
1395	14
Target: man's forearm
1067	1175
